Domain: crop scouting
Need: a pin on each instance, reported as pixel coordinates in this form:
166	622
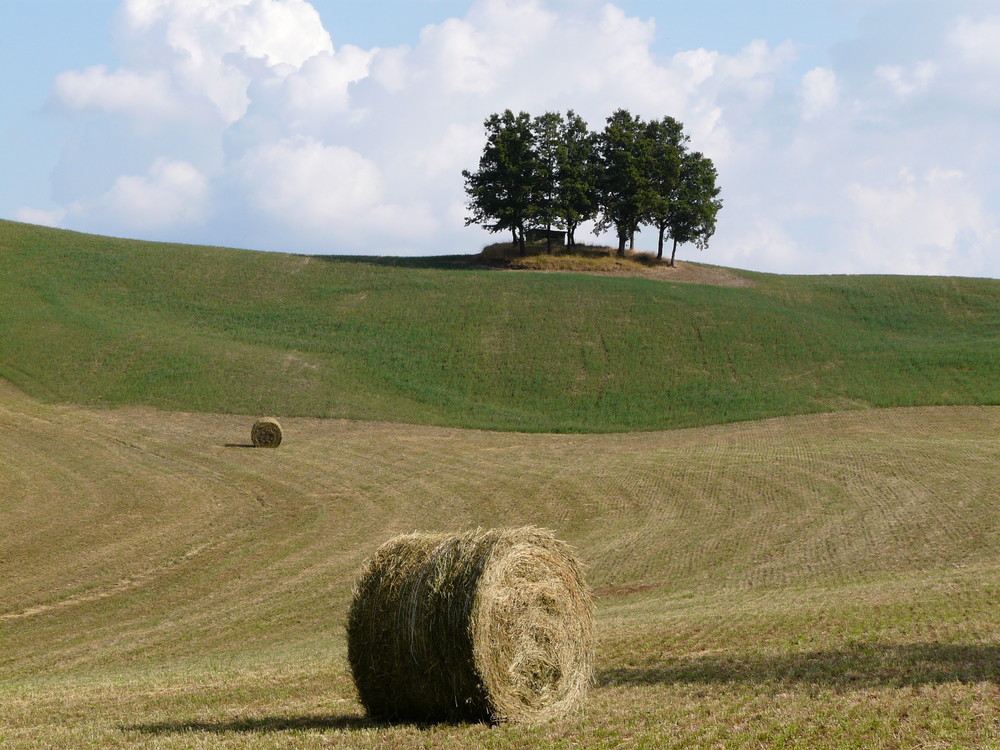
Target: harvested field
813	581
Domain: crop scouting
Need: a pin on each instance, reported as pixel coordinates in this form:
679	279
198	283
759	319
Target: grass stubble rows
824	580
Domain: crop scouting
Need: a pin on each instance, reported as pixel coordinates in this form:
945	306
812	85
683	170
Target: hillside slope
444	341
166	586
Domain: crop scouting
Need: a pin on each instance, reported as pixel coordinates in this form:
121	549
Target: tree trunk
631	240
520	242
622	238
659	246
570	239
673	253
548	238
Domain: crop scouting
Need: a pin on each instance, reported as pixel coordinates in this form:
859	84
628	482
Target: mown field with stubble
812	581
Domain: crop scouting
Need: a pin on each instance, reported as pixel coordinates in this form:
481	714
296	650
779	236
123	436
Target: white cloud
303	182
321	84
172	193
903	81
30	215
457	148
695	67
920	224
470	56
209	49
753	69
978	42
143	95
762	242
329	194
201	32
820	92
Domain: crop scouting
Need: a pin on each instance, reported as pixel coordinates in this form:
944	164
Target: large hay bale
490	625
266	433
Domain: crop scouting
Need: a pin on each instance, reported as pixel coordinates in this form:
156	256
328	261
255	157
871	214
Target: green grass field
449	342
776	562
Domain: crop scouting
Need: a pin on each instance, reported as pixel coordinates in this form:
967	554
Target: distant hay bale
266	433
490	625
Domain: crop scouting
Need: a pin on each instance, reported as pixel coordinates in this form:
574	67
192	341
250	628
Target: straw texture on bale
491	625
266	433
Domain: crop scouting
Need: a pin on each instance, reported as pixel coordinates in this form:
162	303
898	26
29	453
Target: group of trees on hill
552	171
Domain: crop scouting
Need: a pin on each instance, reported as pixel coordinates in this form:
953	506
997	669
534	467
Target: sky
850	136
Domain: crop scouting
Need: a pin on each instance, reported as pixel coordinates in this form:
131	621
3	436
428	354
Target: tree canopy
623	181
502	192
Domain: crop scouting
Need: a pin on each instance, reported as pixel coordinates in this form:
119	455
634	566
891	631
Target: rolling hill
448	341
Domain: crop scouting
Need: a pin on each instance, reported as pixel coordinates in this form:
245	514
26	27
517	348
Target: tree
666	143
576	175
693	212
502	190
547	134
623	183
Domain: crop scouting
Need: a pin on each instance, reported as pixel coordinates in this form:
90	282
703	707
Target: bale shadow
858	666
261	725
239	445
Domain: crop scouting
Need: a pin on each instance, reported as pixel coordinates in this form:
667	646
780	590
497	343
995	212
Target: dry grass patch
603	260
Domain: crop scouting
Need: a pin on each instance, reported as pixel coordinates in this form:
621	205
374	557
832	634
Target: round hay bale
490	625
266	433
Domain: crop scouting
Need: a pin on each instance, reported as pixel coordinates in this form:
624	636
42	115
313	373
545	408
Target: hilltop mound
601	260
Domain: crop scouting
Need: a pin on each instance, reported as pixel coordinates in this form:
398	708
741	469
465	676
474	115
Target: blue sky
851	136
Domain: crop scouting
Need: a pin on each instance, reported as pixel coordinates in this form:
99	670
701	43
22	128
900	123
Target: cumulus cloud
905	81
213	48
978	41
40	216
819	92
304	182
920	224
471	56
320	85
170	193
189	53
140	94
